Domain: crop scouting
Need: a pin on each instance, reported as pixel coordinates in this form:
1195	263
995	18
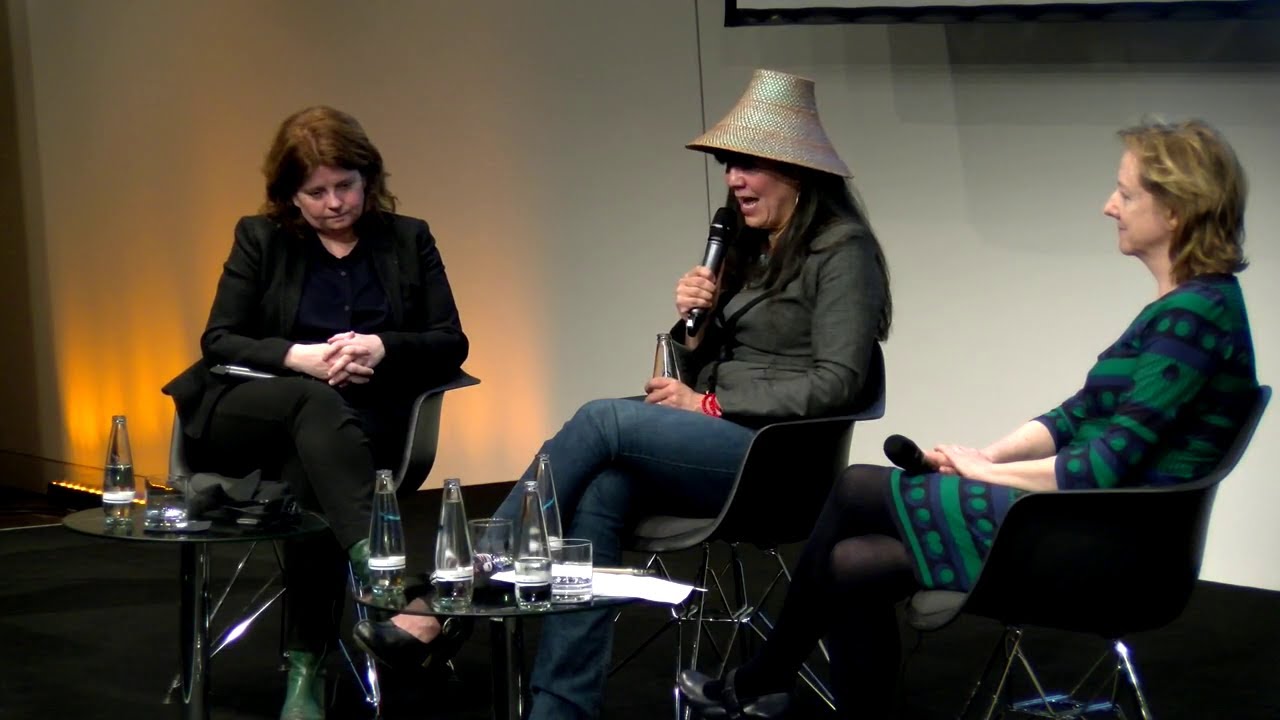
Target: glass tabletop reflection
93	522
418	599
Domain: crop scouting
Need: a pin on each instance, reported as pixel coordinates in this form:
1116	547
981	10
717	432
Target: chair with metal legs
800	458
416	462
1103	562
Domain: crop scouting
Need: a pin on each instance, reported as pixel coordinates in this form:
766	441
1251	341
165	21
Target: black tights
852	571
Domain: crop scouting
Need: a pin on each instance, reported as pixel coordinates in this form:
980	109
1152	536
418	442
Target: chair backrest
1110	562
789	468
424	435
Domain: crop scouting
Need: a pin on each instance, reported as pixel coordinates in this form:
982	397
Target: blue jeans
613	459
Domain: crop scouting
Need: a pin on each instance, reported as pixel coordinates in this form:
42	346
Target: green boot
358	554
304	689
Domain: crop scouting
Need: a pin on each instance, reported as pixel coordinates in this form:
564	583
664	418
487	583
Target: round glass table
506	637
193	613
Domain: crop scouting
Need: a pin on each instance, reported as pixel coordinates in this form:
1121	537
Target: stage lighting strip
90	490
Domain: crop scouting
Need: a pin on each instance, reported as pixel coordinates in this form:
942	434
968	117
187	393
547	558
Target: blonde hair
1192	170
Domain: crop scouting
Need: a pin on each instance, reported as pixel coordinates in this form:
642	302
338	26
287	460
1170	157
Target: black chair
800	458
416	462
1102	562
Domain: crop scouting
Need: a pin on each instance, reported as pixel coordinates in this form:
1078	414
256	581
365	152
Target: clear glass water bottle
118	490
547	494
532	552
386	540
665	362
454	576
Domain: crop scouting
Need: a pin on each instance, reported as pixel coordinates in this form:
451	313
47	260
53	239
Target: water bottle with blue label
453	579
386	540
547	494
118	490
532	552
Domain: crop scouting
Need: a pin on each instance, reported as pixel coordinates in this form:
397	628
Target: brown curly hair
1192	171
315	137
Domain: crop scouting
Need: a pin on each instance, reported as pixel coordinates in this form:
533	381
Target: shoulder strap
726	329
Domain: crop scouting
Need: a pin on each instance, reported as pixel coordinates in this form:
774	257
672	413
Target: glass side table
193	612
506	645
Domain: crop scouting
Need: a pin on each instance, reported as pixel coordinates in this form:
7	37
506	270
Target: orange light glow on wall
129	308
142	166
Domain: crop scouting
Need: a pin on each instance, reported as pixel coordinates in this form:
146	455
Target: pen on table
636	572
624	571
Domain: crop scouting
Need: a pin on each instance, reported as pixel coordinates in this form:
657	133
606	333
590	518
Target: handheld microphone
712	259
906	455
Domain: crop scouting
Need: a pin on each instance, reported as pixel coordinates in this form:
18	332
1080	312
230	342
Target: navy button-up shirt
340	294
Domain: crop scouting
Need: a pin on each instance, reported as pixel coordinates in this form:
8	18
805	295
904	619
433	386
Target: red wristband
710	405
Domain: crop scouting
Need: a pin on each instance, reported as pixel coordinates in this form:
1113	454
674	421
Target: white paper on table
644	587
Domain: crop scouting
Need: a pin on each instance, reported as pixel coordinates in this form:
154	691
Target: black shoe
396	648
693	685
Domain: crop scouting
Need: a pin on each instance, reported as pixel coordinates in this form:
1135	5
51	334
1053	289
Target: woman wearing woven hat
803	300
1159	407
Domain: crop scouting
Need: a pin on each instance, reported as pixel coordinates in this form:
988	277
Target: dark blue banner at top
790	12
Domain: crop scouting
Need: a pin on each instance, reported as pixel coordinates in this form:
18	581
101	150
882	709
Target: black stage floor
89	630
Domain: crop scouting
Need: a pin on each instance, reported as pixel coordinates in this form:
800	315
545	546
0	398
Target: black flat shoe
693	685
395	648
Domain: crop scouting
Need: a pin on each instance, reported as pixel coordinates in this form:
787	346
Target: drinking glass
166	508
570	570
491	553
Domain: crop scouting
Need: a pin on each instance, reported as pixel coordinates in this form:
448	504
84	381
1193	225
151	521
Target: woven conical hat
776	119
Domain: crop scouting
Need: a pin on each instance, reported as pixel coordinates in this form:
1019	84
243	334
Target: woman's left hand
352	357
672	393
968	462
347	367
368	348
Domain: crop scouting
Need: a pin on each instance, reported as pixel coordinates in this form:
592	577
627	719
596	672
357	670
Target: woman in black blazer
348	304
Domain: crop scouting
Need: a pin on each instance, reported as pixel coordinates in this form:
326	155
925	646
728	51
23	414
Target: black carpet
90	631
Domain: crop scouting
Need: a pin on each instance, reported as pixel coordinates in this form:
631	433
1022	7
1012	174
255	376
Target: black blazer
252	319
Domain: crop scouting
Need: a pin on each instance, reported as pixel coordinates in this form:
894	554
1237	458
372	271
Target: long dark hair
824	199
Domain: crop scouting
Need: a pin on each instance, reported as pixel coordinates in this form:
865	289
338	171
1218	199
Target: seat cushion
932	609
665	533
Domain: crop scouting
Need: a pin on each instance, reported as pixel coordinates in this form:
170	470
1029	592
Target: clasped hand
346	358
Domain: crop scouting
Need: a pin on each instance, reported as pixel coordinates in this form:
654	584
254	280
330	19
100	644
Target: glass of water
491	554
166	509
533	583
570	570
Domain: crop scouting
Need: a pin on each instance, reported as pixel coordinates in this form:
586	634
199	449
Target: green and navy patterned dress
1161	406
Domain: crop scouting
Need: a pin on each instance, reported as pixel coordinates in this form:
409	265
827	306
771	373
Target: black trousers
325	444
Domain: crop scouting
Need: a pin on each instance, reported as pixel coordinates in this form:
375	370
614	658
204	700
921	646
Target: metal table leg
506	644
193	631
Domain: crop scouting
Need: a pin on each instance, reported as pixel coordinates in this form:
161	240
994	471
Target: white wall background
543	141
984	154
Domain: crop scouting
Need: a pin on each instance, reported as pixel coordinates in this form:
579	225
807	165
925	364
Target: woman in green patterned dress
1160	407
